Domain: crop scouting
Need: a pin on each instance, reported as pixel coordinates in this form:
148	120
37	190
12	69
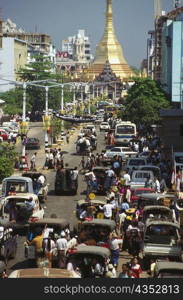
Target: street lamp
46	116
62	98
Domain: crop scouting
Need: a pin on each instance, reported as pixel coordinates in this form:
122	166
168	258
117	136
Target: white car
128	152
113	152
104	126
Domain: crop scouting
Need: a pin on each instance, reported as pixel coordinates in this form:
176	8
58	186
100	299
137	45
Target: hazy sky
62	18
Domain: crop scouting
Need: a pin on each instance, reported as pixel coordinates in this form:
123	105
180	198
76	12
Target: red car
4	134
137	192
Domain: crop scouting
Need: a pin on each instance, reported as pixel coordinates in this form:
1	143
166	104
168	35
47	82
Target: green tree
7	160
144	101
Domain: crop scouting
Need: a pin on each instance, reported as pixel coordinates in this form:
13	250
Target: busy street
103	181
91	143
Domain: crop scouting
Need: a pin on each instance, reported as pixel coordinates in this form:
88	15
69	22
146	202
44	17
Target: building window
87	52
181	130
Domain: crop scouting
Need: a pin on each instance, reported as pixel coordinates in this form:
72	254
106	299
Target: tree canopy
39	69
144	101
7	160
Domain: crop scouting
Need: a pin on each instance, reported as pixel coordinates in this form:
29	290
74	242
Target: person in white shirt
41	180
127	178
74	174
107	209
61	245
108	180
115	247
33	161
157	185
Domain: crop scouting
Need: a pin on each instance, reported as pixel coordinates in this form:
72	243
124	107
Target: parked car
8	242
139	178
32	144
104	126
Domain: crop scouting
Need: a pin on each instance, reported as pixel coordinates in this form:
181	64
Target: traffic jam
128	220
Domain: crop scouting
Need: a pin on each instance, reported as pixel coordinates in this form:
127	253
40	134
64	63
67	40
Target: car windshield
115	150
136	162
163	230
125	129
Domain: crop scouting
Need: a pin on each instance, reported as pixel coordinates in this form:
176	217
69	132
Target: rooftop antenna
157	9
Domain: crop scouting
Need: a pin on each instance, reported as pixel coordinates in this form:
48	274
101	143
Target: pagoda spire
109	49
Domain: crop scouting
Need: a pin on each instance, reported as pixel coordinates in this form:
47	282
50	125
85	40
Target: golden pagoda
109	49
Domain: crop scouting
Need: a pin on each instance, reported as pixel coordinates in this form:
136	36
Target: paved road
62	206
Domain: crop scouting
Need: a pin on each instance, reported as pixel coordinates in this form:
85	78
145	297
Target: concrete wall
7	63
20	54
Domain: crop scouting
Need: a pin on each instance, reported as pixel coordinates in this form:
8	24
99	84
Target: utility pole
46	116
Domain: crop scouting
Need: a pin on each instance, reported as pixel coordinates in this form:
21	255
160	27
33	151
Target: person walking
61	245
33	162
115	246
67	137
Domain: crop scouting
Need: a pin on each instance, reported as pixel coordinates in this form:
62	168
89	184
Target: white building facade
7	63
78	47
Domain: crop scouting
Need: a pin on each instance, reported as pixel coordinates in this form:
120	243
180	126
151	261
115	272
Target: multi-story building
172	56
39	43
13	56
78	47
150	54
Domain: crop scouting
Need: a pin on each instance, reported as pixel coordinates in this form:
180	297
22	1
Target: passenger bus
124	133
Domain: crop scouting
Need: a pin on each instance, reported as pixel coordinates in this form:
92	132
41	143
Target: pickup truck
161	240
139	177
16	185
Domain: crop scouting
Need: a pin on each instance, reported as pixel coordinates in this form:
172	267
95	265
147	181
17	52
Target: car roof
95	250
51	221
43	273
157	196
17	178
95	201
168	265
158	222
103	222
161	207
